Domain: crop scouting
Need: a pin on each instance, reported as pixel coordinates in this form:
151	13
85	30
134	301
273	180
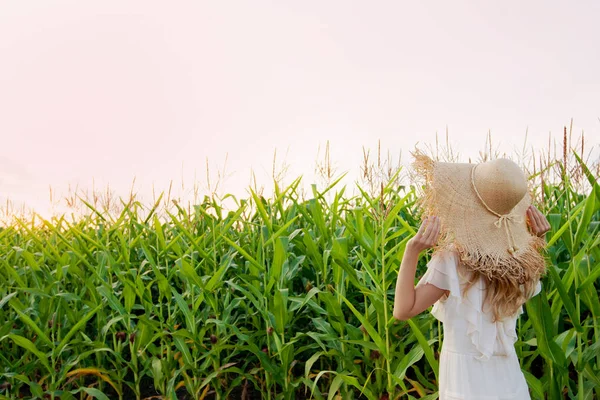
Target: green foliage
286	297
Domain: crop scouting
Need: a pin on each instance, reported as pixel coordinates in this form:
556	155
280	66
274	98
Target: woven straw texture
483	214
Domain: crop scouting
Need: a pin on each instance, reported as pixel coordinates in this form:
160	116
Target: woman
486	264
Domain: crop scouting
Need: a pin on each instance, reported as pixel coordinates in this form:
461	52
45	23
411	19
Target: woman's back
478	356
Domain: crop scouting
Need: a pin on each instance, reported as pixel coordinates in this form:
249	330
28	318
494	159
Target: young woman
486	264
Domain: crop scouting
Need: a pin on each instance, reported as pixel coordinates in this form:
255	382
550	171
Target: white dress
478	360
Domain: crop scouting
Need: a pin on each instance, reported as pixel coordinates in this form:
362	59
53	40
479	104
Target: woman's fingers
427	234
542	221
545	225
532	220
538	217
432	232
533	223
538	222
436	231
423	227
428	226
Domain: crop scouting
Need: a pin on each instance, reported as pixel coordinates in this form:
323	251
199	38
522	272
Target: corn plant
280	298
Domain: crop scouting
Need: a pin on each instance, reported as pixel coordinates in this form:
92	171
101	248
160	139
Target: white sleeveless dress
478	360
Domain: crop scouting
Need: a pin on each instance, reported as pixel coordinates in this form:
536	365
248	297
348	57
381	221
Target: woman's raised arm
409	301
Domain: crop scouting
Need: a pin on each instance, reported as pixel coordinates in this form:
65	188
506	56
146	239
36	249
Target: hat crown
501	184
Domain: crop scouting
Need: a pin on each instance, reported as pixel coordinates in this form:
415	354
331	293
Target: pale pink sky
109	90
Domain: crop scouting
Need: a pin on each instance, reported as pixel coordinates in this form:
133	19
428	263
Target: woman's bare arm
408	300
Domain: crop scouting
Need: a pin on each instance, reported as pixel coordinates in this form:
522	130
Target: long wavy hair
504	296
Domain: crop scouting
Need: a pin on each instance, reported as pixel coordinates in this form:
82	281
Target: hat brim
484	244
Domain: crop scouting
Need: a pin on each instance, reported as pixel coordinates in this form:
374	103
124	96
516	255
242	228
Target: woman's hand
537	222
427	236
408	300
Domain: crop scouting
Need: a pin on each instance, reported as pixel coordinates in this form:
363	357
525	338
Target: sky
97	93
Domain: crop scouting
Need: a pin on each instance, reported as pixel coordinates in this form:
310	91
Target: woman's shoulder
444	262
448	259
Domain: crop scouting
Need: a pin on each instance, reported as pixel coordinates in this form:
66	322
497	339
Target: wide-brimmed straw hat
482	209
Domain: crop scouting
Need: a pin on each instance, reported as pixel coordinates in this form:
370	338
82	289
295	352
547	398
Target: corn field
280	298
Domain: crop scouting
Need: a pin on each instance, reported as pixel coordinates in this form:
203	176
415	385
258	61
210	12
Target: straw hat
482	208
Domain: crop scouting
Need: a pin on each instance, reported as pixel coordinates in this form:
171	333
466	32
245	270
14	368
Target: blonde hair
504	296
